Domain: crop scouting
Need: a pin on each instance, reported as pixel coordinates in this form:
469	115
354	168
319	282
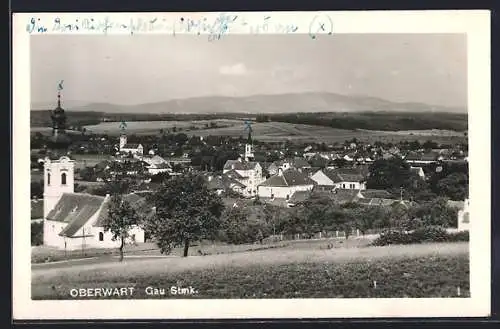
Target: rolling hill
282	103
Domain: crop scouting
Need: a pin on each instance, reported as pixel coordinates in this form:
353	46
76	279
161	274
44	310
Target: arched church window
63	178
48	179
101	236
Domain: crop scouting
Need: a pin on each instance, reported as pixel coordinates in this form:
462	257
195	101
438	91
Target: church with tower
75	220
245	171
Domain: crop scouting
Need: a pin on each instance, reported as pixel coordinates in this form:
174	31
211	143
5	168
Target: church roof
75	209
139	203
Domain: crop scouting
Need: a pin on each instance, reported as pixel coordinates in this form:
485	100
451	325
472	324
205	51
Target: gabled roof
344	175
240	165
290	177
75	205
278	181
234	174
294	177
139	203
299	162
75	209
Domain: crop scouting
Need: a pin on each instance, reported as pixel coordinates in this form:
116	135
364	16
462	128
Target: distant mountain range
282	103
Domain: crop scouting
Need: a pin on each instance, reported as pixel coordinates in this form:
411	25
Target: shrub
36	234
419	235
459	236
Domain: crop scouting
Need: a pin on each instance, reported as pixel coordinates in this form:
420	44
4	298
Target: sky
122	69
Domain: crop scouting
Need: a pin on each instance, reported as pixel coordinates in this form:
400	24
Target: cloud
237	69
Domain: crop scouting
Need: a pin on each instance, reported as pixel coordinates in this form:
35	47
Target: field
294	271
142	127
271	131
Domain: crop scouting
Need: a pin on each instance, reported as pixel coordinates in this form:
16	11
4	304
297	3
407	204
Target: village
70	194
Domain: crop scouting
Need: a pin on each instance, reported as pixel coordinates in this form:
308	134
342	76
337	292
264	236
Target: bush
36	234
420	235
459	236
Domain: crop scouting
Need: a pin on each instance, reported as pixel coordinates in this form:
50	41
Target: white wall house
285	184
248	173
343	178
75	220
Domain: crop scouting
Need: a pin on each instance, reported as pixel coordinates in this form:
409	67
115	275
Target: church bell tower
58	172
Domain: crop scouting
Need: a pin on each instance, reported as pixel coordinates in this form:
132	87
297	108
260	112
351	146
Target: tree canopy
186	211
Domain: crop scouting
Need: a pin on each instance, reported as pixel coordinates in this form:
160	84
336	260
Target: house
300	163
342	178
285	184
156	164
277	165
224	183
75	220
248	173
426	158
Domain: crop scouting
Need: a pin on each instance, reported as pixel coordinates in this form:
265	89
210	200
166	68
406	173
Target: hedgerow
419	235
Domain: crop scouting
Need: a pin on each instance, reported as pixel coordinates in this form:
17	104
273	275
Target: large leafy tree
186	212
389	174
121	218
454	186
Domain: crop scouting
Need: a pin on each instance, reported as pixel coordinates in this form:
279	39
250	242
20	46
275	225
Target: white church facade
76	220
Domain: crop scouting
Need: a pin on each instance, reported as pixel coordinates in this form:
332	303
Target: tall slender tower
58	167
248	146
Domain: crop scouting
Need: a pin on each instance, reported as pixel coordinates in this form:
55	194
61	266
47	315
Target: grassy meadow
300	270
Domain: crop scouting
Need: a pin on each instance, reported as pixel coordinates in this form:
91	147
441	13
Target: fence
321	235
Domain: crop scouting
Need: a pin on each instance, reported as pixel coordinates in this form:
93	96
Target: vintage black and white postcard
251	165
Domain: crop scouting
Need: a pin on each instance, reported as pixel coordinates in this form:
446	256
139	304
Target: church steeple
248	146
60	140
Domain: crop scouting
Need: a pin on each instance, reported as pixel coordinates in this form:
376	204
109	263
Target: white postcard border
476	24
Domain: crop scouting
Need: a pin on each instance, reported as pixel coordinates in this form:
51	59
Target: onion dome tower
59	141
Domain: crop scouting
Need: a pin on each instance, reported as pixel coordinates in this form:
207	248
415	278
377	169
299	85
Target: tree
160	177
121	218
454	186
186	211
390	173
